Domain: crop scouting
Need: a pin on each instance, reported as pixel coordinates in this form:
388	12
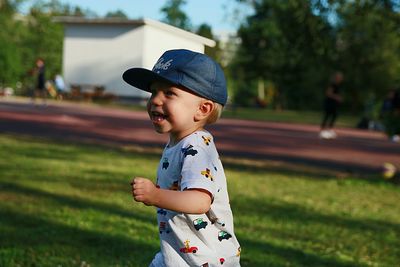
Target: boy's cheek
148	106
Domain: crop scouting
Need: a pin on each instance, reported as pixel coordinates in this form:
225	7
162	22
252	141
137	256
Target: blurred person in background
40	86
60	86
331	104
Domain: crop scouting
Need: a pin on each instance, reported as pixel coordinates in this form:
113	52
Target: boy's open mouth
157	116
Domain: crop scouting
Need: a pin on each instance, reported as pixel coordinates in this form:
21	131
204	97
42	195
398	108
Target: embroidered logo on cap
161	65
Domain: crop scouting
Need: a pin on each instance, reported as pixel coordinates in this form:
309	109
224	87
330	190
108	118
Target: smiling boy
188	92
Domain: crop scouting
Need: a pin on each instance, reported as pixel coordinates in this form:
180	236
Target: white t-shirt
196	239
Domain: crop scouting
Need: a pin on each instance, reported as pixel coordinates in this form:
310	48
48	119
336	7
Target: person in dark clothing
390	115
396	102
331	103
40	87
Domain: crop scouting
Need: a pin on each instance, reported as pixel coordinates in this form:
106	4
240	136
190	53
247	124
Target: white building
97	51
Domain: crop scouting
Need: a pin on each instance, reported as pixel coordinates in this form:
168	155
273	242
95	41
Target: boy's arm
189	201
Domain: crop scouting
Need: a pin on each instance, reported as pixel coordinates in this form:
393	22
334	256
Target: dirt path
354	151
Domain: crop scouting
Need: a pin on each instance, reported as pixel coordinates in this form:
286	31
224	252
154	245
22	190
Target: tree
368	32
10	59
116	14
287	44
24	38
206	31
44	37
174	14
295	44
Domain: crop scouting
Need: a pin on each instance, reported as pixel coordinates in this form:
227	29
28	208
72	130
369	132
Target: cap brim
141	78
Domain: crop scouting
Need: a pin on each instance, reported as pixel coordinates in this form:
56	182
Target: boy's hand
144	190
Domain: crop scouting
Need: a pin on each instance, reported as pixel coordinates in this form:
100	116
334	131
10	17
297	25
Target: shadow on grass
62	151
275	255
316	173
75	202
39	242
280	211
376	236
153	152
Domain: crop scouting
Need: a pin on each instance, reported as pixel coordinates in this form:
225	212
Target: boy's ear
204	110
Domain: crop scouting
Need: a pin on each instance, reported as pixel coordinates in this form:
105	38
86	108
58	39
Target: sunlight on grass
70	205
291	116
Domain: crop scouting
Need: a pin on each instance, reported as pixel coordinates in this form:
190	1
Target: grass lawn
70	205
292	116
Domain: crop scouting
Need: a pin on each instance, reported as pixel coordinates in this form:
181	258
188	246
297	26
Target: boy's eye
169	93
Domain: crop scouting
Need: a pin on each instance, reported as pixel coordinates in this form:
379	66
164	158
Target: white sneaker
325	134
332	134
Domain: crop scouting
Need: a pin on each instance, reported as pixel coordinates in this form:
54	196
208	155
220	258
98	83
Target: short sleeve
198	169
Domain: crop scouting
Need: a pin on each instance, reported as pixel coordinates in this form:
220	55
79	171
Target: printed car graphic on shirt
188	248
206	139
221	261
223	235
189	151
199	223
163	227
215	168
207	174
175	186
238	252
162	212
213	219
221	223
165	163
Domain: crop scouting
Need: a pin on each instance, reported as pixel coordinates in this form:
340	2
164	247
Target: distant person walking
390	115
60	86
40	87
331	103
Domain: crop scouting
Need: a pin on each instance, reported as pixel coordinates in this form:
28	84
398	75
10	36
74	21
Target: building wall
99	54
158	41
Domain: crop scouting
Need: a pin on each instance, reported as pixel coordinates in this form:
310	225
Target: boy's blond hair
215	113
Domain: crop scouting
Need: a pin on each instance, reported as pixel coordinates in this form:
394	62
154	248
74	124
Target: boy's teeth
158	116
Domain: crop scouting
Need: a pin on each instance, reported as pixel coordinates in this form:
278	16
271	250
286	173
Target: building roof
137	22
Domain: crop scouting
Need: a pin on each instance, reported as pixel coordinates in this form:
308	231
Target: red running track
355	151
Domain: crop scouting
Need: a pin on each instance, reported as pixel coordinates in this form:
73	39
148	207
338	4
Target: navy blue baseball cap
194	71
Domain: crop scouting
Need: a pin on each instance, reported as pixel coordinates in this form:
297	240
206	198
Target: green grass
70	205
291	116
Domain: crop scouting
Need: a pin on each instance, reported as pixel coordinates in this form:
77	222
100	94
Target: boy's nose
156	98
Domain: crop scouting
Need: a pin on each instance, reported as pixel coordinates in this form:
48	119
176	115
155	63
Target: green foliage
242	96
10	59
369	48
174	15
116	14
286	43
70	205
391	122
46	39
205	30
24	38
297	44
